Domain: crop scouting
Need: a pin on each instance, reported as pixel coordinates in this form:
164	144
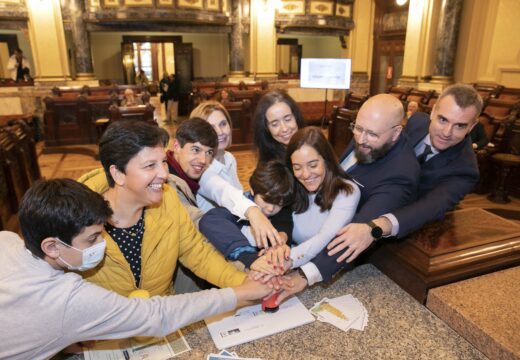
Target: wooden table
467	243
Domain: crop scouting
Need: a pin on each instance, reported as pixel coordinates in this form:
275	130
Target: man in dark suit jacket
448	168
448	171
383	163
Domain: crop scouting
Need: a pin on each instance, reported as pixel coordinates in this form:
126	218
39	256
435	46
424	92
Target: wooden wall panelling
340	133
23	136
16	181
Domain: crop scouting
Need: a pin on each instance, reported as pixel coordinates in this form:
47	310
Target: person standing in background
141	79
172	99
17	64
163	88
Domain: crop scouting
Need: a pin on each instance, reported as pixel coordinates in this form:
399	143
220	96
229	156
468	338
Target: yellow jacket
169	236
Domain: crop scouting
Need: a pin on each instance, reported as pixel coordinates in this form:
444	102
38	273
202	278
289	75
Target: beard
374	154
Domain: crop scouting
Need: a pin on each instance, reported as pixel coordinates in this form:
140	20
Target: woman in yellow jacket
150	229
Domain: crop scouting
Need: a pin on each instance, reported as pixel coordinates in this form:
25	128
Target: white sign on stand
325	73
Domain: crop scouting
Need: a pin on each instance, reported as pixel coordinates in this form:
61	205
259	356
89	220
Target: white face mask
90	256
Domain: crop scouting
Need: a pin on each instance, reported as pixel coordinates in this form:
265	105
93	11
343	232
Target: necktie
427	151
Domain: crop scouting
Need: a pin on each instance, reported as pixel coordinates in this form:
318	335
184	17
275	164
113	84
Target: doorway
154	59
288	57
156	55
389	38
8	43
389	64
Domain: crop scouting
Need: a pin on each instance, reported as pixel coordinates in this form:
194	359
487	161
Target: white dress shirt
220	186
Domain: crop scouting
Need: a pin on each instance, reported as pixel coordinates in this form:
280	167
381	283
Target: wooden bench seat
241	115
313	111
354	101
509	94
139	112
96	90
399	92
340	133
18	170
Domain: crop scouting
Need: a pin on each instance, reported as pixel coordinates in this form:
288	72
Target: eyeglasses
372	136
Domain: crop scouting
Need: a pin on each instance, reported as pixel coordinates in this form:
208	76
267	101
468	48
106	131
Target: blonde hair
206	108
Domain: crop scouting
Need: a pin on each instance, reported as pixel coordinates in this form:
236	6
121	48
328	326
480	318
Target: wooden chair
198	96
340	128
421	97
507	159
498	107
428	106
399	92
241	114
16	173
24	137
488	90
354	101
140	112
495	118
509	94
68	121
11	182
252	95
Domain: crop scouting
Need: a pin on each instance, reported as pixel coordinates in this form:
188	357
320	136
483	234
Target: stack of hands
272	269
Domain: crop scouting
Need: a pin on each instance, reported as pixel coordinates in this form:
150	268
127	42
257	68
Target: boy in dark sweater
272	186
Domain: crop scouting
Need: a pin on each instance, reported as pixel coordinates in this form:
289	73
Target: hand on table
273	281
252	290
293	284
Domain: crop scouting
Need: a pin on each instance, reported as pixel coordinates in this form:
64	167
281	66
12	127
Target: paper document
251	323
345	312
151	348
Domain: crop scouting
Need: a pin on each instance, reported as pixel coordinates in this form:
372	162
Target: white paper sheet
251	323
152	348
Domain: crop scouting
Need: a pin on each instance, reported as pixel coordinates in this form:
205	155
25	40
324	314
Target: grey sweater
43	310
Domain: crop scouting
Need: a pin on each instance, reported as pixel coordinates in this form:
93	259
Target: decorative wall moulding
344	10
147	3
111	3
292	7
165	3
321	8
192	4
213	5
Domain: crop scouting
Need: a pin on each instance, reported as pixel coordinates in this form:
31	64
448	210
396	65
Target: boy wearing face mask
44	309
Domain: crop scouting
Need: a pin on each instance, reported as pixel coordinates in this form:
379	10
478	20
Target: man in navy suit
448	170
381	160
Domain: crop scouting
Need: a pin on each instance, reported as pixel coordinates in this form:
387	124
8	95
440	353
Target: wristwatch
376	232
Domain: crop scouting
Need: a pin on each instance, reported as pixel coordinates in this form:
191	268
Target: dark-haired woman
219	184
149	230
326	197
276	119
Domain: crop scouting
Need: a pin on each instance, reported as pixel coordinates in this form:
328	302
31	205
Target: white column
47	39
263	38
420	41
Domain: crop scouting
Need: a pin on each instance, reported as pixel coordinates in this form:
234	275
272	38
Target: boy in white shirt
45	309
